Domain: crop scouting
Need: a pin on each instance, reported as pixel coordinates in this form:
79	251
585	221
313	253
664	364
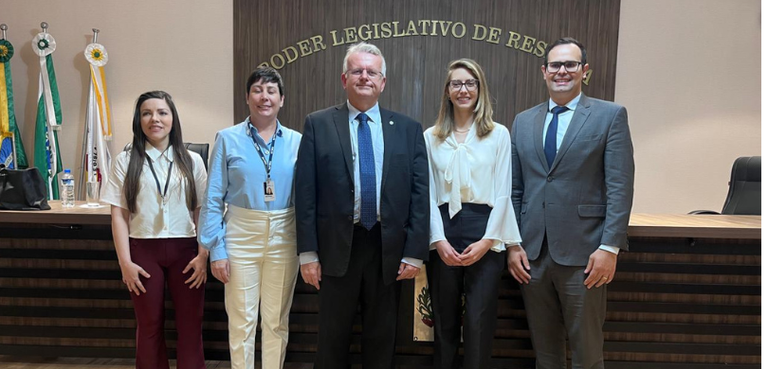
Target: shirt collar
155	154
571	105
373	113
251	129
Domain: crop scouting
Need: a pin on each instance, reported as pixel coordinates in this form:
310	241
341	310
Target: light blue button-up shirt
237	175
563	120
377	139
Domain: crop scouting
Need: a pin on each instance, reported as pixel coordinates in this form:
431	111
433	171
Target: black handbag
22	189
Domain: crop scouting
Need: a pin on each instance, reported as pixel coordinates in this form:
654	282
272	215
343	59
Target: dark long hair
138	154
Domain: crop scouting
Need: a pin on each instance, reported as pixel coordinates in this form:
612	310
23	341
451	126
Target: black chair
744	189
201	149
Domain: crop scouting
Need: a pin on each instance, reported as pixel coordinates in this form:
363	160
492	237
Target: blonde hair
483	109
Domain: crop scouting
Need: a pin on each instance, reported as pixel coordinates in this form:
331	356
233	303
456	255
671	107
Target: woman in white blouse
156	189
472	216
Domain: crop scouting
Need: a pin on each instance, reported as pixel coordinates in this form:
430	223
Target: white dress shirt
477	171
155	218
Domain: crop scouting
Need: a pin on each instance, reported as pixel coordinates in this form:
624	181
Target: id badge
269	191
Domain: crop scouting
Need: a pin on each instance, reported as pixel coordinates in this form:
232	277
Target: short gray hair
364	47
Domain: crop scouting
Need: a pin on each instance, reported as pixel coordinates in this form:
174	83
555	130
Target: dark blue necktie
550	142
367	173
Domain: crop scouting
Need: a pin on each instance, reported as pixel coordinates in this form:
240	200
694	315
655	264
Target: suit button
349	217
550	178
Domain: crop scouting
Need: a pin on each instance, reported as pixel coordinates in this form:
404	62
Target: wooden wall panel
416	65
675	303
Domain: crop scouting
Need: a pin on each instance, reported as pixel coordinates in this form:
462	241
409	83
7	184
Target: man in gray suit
572	185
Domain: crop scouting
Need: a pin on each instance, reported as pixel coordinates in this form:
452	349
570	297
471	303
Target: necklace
461	131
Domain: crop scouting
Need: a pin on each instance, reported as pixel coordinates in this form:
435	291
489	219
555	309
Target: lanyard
157	182
267	163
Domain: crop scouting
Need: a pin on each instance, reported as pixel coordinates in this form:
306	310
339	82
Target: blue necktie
367	173
550	142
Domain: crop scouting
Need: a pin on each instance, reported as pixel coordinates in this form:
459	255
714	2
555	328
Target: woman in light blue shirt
247	222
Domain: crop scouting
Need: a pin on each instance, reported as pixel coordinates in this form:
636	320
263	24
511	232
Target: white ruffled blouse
477	171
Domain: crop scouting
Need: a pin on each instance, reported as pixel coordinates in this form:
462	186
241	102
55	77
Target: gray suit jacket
585	199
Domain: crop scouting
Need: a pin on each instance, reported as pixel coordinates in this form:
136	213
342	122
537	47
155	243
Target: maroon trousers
164	260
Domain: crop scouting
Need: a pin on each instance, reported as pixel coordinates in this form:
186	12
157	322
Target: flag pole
52	128
4	36
88	133
98	119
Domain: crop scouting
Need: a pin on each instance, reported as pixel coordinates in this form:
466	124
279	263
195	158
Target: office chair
201	149
743	190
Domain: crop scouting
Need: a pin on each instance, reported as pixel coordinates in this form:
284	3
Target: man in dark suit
362	212
572	185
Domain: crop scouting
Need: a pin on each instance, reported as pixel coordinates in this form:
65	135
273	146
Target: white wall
689	75
688	71
181	46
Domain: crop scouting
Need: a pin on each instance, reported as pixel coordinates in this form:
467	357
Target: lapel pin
391	123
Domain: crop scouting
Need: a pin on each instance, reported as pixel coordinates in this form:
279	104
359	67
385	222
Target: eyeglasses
471	84
570	66
359	73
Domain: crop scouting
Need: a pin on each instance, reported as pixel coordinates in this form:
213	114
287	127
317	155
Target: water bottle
67	189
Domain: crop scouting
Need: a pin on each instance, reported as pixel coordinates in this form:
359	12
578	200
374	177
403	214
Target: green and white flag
47	157
11	147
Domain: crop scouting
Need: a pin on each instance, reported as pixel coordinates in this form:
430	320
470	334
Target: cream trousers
261	246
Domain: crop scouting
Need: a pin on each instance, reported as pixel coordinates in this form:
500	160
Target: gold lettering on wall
493	35
528	44
304	48
386	30
423	27
424	24
412	29
336	41
444	25
458	30
480	32
397	30
514	37
291	54
351	34
277	61
365	35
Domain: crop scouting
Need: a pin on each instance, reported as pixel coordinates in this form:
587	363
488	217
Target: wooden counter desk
687	295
